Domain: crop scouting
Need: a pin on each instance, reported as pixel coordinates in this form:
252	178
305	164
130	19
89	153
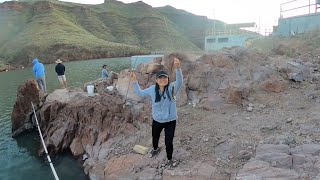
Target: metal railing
294	6
229	32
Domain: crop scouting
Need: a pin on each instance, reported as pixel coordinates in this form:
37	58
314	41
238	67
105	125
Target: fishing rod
44	145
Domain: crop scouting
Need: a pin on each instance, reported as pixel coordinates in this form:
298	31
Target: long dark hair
166	90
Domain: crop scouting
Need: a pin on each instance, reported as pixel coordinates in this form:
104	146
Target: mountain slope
193	27
52	29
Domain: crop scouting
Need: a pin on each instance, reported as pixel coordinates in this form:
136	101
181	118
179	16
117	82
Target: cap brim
162	75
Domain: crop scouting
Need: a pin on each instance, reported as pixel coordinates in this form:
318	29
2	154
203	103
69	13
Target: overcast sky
263	12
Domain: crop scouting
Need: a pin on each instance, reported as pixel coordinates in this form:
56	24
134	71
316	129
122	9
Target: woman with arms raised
164	108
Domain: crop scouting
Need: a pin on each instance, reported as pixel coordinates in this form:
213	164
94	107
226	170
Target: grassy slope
51	29
138	23
48	27
11	23
193	27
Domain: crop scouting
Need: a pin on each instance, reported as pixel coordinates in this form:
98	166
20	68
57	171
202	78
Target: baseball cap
162	73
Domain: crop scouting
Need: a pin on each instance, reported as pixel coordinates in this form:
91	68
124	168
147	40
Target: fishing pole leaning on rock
44	145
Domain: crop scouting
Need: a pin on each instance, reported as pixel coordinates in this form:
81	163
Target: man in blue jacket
39	73
104	72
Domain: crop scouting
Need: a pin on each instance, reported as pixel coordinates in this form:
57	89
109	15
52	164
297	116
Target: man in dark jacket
60	69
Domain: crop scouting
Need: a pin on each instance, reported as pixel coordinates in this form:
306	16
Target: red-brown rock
22	109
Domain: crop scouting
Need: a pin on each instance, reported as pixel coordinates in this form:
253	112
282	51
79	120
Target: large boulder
22	109
295	71
282	162
146	77
274	85
212	80
78	121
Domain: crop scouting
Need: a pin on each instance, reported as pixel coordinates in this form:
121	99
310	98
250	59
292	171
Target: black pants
169	129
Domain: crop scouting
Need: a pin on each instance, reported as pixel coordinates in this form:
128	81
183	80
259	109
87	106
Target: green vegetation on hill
193	27
50	29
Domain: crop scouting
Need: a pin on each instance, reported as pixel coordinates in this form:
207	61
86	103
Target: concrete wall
220	41
297	25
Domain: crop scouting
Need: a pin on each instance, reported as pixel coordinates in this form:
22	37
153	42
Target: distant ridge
51	29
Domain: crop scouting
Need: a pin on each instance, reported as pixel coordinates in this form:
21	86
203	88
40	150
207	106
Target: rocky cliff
103	128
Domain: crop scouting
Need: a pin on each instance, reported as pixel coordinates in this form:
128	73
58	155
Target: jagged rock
261	170
240	53
262	73
210	102
281	162
218	60
81	121
236	95
145	76
103	128
281	49
212	80
274	85
295	71
22	109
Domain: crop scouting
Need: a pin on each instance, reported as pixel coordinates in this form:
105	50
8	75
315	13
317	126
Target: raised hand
176	63
133	76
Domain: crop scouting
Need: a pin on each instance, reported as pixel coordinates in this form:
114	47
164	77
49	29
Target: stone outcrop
283	162
133	166
22	109
295	71
104	127
146	77
77	121
213	79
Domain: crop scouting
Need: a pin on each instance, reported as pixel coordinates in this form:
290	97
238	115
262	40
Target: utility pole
259	25
214	21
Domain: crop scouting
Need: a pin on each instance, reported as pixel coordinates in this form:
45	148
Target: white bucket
110	88
90	89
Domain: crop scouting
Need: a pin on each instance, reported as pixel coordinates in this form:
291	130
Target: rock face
22	109
88	126
296	71
213	79
146	77
104	127
283	162
77	121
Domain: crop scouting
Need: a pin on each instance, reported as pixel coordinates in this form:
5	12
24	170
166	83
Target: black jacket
60	69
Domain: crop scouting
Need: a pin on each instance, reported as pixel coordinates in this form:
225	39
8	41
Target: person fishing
60	70
39	73
164	108
104	72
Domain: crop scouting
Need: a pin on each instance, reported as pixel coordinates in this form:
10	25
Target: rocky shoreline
237	120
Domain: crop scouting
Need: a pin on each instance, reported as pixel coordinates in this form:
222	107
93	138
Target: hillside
193	27
54	29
